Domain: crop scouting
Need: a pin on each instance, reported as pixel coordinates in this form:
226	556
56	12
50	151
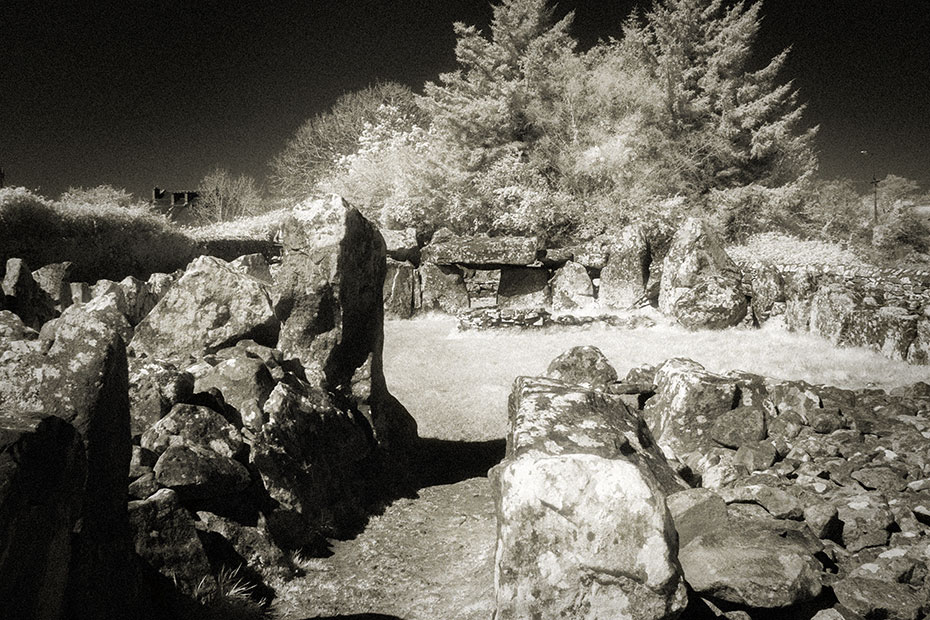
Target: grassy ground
456	384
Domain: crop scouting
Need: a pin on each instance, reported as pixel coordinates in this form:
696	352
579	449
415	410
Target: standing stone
571	288
442	288
582	366
400	281
768	288
80	293
624	278
523	288
24	296
700	283
210	307
919	351
139	299
331	305
800	287
583	531
54	279
832	308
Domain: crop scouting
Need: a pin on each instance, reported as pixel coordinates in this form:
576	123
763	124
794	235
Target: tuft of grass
232	599
456	384
779	248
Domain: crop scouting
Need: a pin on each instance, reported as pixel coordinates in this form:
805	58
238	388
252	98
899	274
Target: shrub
101	241
223	197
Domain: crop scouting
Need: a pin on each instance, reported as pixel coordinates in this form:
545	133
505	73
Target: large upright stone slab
400	285
24	296
210	307
701	285
624	278
447	248
571	288
442	288
583	530
329	292
523	288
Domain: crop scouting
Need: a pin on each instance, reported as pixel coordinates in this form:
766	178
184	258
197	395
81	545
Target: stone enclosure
504	281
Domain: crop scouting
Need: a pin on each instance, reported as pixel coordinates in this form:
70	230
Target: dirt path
424	558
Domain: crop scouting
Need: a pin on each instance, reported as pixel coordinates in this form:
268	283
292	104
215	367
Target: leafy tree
223	197
321	141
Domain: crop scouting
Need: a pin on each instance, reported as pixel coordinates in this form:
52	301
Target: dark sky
146	92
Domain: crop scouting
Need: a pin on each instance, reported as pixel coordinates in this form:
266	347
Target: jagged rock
166	539
768	288
54	279
42	470
866	520
884	479
141	462
571	288
582	366
797	396
105	308
235	544
139	299
24	296
449	249
197	473
592	254
755	456
83	380
583	530
109	287
443	288
687	402
751	565
154	388
740	426
400	284
401	245
210	307
701	286
245	383
826	421
624	277
143	487
307	453
523	288
191	425
889	330
776	502
893	586
13	328
159	283
254	266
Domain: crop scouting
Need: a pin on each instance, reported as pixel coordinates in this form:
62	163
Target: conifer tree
745	126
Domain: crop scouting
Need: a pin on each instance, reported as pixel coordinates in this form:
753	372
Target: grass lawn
456	383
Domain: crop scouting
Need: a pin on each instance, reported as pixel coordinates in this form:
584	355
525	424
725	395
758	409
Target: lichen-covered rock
235	542
55	280
700	283
197	473
330	301
192	425
738	427
866	520
800	287
166	539
687	402
449	249
159	283
106	308
80	292
583	530
245	383
888	329
523	288
624	277
571	288
832	308
442	288
210	307
893	586
139	299
401	245
768	288
154	388
42	471
582	366
400	283
24	296
695	512
307	453
751	565
254	266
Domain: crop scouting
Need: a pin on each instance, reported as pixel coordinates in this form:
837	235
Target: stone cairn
676	492
243	410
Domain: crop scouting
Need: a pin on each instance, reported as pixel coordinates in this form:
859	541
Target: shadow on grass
438	461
